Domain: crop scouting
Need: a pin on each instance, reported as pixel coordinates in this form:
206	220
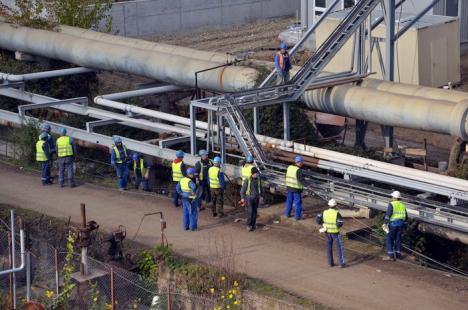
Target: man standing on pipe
332	222
283	63
178	172
217	187
201	173
395	217
187	189
119	160
66	151
294	185
43	156
251	192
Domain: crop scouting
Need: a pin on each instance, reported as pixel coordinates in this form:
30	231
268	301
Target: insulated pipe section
172	69
391	109
142	92
43	75
219	58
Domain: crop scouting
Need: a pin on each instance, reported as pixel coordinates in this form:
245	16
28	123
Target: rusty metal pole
112	287
56	261
169	297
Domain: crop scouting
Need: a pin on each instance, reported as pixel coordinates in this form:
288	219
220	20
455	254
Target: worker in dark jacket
295	186
283	63
43	156
201	173
396	218
50	140
251	193
140	171
332	222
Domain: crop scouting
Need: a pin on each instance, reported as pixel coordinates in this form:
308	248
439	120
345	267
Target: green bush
25	139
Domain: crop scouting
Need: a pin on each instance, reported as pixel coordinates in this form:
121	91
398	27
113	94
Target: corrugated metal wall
463	13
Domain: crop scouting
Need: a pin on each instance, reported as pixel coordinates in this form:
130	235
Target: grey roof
425	21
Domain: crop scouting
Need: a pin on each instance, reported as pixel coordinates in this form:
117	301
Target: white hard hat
396	194
332	203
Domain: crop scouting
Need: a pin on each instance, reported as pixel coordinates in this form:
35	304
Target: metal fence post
169	297
28	276
112	288
56	271
10	276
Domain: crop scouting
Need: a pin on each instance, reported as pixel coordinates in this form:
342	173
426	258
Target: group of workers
64	150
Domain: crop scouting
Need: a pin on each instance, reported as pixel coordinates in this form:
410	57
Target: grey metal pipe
142	92
392	109
172	69
22	251
43	75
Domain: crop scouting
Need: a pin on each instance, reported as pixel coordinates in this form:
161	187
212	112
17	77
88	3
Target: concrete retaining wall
147	17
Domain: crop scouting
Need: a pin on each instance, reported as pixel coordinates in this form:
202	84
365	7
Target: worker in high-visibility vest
187	189
246	170
119	160
217	186
332	222
66	152
201	173
294	186
140	170
50	140
43	157
251	192
396	218
178	172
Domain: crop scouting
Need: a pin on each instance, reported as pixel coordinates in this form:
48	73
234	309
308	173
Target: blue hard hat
180	154
63	131
136	156
202	153
43	135
249	158
217	160
298	159
45	126
190	171
117	139
283	46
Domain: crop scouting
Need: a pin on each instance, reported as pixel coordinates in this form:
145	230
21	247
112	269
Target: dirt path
276	256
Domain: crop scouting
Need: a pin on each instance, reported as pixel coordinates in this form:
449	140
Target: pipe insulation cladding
89	53
386	103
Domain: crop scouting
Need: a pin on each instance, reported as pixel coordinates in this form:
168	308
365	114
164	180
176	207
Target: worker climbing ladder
230	105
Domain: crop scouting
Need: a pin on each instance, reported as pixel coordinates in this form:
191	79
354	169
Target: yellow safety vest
399	211
40	154
201	175
291	177
177	171
118	158
142	167
213	174
259	184
64	147
330	218
184	186
246	172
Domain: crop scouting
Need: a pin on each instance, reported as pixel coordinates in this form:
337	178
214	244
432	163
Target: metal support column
286	121
222	138
389	60
193	130
256	121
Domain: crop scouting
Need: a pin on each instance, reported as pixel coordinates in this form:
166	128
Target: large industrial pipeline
380	102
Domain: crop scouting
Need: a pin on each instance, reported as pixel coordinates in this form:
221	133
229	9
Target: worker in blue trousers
294	186
217	186
50	140
396	218
43	156
201	173
187	189
178	172
119	160
140	171
332	222
66	152
282	63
